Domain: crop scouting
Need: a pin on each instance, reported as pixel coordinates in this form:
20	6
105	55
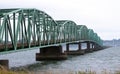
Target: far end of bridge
57	53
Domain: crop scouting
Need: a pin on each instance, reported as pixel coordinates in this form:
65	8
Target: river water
107	59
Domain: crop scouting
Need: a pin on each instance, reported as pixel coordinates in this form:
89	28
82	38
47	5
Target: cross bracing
26	28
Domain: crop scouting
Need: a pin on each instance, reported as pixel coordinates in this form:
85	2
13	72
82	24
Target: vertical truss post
0	22
22	32
6	34
44	25
29	28
33	19
64	34
14	36
38	28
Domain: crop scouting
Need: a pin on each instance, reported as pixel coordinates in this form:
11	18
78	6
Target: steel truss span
26	28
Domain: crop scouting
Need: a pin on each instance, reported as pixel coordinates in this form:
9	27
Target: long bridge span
27	28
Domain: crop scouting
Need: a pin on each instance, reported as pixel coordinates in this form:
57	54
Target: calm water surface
107	59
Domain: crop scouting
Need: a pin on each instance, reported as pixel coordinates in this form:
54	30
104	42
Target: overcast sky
103	16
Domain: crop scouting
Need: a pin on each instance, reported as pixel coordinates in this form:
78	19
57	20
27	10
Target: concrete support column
51	53
74	52
67	47
92	46
88	45
5	64
95	46
79	46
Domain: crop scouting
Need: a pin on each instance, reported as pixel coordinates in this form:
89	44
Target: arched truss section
94	37
68	30
99	41
90	34
26	28
83	32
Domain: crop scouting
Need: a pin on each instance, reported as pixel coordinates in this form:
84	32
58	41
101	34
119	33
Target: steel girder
26	28
83	31
68	30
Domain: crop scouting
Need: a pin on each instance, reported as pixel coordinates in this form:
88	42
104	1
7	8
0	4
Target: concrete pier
77	52
74	52
4	63
90	47
51	53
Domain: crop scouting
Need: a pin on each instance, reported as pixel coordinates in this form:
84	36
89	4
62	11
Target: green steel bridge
29	28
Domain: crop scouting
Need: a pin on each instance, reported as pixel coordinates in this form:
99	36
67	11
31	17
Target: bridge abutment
51	53
4	63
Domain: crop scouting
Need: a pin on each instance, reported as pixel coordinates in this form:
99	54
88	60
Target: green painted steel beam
27	28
